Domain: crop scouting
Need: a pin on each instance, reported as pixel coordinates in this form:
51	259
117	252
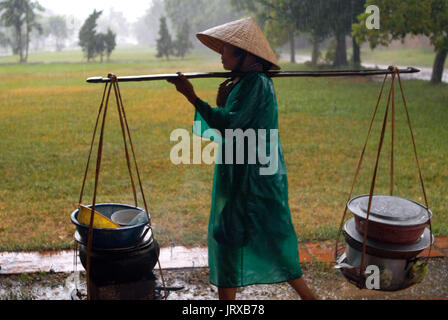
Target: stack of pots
396	234
122	259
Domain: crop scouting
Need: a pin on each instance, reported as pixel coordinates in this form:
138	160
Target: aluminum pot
385	250
394	274
398	265
392	219
125	237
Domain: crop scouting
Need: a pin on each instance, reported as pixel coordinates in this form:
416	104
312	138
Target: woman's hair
238	52
266	64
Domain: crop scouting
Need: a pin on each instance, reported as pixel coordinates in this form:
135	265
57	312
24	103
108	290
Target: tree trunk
19	42
356	53
315	54
27	36
437	69
340	57
27	44
292	47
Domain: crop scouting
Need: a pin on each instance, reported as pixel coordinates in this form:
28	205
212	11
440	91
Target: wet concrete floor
193	284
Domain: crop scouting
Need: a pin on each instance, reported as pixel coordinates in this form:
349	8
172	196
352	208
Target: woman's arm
215	117
251	108
184	87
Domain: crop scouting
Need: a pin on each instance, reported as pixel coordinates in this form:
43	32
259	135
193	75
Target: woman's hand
223	92
185	87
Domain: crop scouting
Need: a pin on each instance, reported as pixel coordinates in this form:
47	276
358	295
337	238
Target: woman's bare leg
302	289
227	293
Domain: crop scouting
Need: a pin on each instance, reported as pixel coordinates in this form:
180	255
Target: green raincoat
251	239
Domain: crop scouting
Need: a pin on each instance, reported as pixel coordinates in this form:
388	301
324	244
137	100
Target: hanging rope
417	161
390	102
372	186
361	158
126	135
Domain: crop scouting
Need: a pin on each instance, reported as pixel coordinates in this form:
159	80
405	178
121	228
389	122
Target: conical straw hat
244	34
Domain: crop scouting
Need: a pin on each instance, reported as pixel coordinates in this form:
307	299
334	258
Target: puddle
326	282
63	261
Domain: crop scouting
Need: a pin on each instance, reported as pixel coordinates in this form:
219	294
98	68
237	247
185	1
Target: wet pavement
64	261
192	284
55	275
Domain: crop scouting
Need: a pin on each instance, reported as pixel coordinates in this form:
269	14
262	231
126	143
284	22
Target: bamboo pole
272	74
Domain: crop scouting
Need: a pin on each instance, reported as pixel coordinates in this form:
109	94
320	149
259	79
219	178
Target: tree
120	26
100	45
164	42
202	14
415	17
87	35
358	8
276	19
4	41
320	18
93	43
110	42
325	18
57	27
21	16
183	44
279	34
145	29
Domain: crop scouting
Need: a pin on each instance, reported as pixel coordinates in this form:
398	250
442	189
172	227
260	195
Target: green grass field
419	57
47	115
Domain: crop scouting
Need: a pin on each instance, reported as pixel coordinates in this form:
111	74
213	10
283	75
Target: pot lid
424	241
390	210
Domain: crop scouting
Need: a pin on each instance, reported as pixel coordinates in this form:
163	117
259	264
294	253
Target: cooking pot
386	250
398	266
392	219
104	238
121	265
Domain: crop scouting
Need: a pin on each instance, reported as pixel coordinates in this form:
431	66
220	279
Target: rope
126	135
92	216
390	101
372	186
359	166
123	119
416	160
91	145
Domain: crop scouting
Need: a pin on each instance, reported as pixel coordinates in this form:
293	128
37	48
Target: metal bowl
124	237
392	219
386	250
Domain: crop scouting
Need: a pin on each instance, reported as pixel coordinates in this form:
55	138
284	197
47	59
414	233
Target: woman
251	239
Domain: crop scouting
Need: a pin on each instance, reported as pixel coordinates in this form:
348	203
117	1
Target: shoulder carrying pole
272	74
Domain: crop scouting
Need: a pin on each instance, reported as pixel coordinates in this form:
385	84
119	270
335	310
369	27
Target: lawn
419	57
416	57
47	117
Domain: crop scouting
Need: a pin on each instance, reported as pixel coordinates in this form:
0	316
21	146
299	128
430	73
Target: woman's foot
302	289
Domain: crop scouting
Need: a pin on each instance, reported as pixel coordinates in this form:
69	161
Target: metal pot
399	268
125	237
121	265
386	250
391	220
